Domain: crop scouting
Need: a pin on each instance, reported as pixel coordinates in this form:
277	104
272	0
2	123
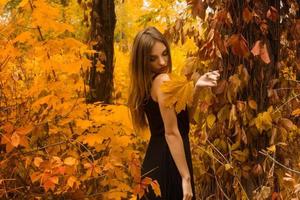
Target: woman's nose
162	61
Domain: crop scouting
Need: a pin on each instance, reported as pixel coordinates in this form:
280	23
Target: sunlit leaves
179	93
263	121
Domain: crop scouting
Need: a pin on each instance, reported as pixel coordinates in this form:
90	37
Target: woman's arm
173	136
172	133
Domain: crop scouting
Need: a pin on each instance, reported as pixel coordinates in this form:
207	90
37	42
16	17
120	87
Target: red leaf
272	14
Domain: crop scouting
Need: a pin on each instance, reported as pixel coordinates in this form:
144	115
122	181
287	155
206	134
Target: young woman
168	157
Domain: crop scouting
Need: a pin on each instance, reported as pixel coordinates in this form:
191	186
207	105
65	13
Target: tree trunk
103	21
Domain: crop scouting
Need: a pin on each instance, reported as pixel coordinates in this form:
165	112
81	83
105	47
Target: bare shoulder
159	79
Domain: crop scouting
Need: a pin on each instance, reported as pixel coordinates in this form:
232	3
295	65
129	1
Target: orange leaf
72	181
50	183
15	139
156	188
35	176
296	112
24	130
252	104
70	161
37	161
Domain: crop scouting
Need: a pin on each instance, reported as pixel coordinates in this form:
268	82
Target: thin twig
218	151
44	147
278	163
279	107
221	188
211	155
149	171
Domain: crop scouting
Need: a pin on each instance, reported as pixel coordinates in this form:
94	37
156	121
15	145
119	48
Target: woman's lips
164	69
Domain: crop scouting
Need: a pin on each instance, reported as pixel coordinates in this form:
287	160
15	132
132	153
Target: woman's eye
152	59
165	53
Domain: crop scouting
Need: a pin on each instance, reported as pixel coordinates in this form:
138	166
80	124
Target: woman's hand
208	79
187	189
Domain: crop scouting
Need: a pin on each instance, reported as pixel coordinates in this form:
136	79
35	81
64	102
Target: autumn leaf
156	188
239	45
15	139
35	176
272	14
252	104
247	15
260	49
179	92
37	161
296	112
210	120
198	8
70	161
272	149
263	121
241	156
50	183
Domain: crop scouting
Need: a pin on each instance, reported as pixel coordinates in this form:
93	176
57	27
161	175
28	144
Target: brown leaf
247	15
198	8
272	14
238	45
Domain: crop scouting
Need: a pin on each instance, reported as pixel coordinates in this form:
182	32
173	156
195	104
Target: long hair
140	73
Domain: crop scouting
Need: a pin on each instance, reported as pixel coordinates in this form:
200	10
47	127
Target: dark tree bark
103	21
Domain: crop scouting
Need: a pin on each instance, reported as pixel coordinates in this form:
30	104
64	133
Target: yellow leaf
179	93
70	161
37	161
22	3
71	181
99	67
23	37
210	120
241	156
84	124
263	121
272	149
228	166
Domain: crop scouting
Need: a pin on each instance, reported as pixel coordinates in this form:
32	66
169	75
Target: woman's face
159	58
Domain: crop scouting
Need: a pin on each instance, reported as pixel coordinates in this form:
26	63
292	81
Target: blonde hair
140	73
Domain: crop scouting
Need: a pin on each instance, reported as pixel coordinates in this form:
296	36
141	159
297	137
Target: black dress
158	163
